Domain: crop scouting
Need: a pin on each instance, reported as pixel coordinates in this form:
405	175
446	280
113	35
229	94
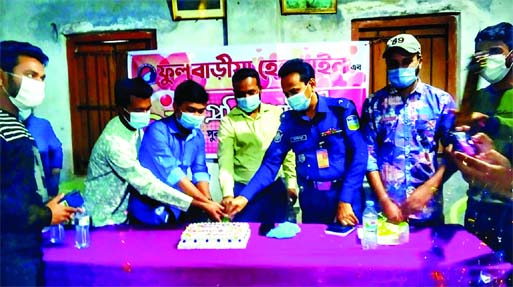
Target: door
95	62
437	35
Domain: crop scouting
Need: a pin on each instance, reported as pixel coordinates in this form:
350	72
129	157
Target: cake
215	235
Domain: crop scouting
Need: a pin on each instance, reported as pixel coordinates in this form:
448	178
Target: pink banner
341	71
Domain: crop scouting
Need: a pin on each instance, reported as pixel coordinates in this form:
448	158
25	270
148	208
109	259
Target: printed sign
341	70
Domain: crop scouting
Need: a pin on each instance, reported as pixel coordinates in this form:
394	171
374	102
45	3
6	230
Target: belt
321	185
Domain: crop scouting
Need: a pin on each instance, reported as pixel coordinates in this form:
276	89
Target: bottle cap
369	203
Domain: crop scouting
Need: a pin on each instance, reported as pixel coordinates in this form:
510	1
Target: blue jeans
268	206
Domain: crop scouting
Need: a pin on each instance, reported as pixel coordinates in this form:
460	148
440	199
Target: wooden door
437	35
95	62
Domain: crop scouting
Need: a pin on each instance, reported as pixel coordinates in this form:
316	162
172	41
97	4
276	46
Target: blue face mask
190	121
138	120
299	101
249	103
402	77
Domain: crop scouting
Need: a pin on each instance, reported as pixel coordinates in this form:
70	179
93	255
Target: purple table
446	256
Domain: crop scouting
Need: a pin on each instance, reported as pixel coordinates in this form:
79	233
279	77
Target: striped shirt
23	213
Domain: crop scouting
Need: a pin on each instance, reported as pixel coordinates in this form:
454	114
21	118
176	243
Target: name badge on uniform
322	158
352	123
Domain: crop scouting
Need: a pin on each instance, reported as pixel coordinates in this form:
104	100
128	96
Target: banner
341	70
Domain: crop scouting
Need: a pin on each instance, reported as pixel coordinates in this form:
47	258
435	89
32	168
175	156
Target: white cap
404	41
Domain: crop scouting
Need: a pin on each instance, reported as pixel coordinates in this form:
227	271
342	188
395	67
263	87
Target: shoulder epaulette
287	115
341	103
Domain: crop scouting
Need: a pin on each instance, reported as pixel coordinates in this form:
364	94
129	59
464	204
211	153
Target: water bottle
82	237
53	234
56	234
370	226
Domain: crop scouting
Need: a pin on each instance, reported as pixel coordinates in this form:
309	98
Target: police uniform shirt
328	147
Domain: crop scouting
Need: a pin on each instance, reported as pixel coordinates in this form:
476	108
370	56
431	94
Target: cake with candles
215	235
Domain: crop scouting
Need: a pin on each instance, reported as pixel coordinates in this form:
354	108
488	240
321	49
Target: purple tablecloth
447	256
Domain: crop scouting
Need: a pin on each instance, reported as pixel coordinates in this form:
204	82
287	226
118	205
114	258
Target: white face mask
30	95
139	120
495	69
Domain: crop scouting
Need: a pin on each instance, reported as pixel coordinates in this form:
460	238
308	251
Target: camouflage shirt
403	137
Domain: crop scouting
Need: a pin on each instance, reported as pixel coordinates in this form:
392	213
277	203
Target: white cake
215	235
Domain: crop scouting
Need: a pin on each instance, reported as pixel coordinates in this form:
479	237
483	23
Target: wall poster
342	70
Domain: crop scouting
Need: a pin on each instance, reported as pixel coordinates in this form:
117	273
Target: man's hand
227	202
237	205
477	62
417	200
60	213
392	211
345	214
482	142
489	170
292	192
214	210
474	119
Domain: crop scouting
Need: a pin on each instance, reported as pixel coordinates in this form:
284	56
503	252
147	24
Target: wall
46	22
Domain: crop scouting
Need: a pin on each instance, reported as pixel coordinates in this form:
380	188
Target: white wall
248	21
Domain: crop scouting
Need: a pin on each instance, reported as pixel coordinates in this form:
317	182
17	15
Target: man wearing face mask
331	155
403	125
23	213
488	213
114	169
244	135
172	148
492	107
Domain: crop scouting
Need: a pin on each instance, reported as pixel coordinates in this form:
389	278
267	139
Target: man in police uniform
331	155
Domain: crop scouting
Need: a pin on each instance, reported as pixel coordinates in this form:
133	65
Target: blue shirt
171	155
50	149
335	131
403	136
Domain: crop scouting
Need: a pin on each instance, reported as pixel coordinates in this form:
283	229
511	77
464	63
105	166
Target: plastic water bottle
370	226
82	237
56	233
